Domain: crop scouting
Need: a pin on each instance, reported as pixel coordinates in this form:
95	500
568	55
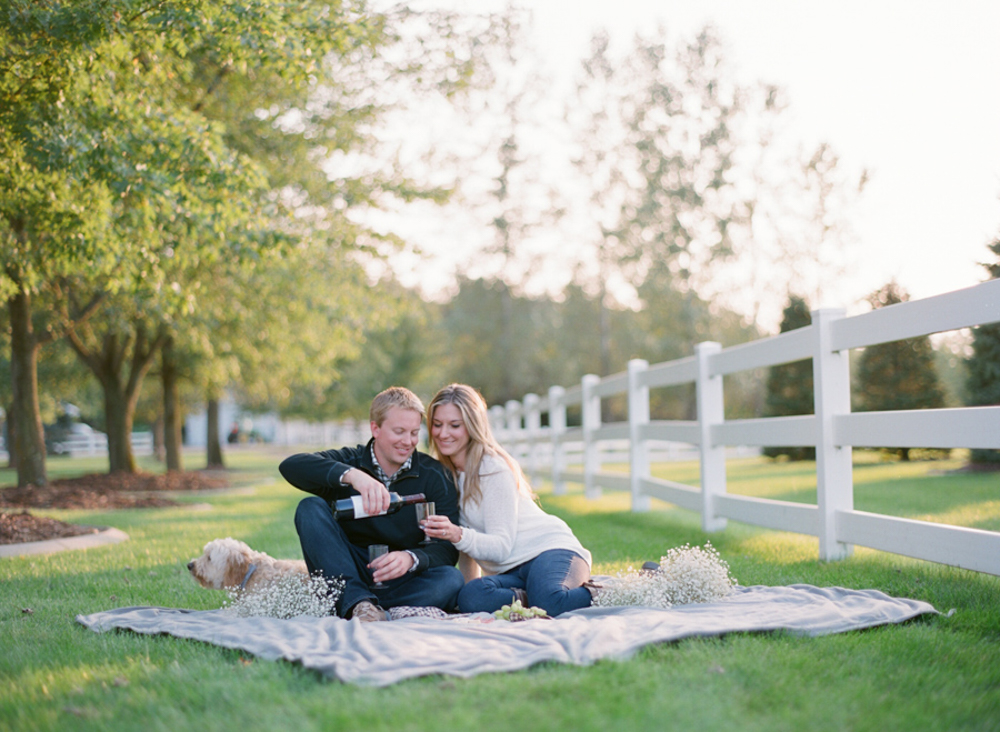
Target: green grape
516	611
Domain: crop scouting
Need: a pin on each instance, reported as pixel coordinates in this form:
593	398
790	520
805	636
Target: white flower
686	575
287	597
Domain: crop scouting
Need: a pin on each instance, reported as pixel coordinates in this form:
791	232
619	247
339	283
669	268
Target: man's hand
391	566
374	495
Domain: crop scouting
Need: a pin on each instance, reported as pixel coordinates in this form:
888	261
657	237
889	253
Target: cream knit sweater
507	528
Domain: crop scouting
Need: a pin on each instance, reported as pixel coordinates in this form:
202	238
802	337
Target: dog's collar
247	576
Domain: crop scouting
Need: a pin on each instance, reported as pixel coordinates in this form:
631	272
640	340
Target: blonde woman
525	553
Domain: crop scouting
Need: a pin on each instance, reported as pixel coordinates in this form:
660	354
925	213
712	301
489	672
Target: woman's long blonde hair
472	407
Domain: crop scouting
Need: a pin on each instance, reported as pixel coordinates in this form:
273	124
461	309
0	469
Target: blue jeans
326	549
552	581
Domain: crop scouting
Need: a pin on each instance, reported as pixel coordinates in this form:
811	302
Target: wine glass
374	552
423	511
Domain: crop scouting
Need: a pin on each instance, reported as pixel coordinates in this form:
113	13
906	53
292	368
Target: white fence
833	430
321	434
96	443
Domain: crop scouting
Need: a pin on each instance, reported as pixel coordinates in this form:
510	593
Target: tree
119	357
790	385
600	137
983	382
691	180
404	346
658	140
276	335
94	162
477	352
899	375
139	144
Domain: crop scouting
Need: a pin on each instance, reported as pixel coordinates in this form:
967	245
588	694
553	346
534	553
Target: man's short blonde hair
394	396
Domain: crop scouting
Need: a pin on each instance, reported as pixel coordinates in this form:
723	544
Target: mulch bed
20	528
91	492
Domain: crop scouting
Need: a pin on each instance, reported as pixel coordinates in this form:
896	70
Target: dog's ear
236	569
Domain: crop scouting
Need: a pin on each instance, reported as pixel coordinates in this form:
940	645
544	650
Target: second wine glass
423	511
374	552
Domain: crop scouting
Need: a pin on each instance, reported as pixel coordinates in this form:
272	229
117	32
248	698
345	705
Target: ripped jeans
552	581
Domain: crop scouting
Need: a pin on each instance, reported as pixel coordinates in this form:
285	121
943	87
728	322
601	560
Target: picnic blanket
380	654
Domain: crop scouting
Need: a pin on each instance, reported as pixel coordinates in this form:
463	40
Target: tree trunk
171	406
119	425
213	444
604	329
506	340
120	394
159	451
9	438
29	437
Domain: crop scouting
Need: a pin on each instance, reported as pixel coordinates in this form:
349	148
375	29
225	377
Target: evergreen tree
983	382
898	375
790	385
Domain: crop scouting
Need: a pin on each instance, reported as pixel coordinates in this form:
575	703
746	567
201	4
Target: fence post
832	397
557	426
515	434
711	411
497	423
591	413
638	418
532	430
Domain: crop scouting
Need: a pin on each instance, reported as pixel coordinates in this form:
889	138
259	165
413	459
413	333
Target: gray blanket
380	654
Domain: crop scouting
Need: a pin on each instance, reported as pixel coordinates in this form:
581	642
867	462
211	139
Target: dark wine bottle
353	507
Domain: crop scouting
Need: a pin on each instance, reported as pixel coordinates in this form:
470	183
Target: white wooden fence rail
553	450
96	443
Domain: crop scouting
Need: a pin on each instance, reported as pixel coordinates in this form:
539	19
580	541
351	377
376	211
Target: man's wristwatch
416	561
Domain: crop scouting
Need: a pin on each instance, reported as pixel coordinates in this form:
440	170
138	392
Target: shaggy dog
231	564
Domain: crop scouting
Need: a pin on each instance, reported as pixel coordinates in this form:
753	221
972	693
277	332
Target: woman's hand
441	527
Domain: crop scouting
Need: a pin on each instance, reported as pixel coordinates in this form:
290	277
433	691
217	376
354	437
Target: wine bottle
354	508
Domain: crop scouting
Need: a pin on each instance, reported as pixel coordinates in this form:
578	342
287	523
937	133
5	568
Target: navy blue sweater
319	473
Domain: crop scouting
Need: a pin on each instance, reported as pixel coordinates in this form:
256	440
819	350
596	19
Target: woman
526	553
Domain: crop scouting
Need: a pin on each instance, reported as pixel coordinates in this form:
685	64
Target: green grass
934	673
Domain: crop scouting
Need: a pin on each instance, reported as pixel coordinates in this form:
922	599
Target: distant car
61	439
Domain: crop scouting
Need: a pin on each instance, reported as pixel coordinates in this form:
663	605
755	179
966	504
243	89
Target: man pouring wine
383	479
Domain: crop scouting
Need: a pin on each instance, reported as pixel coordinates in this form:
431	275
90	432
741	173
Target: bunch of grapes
516	612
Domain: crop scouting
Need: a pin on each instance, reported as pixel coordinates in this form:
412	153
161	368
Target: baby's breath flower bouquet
286	597
686	575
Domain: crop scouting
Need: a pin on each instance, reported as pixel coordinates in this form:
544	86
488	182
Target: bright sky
908	89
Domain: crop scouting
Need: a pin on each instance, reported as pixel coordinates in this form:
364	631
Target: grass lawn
934	673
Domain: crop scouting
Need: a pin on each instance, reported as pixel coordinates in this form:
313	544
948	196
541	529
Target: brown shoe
366	612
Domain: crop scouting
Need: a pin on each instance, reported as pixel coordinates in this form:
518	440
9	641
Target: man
412	574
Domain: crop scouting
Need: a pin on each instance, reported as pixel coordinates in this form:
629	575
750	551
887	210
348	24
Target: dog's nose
191	565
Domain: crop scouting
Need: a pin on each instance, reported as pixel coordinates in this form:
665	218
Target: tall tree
141	135
659	135
119	359
53	212
476	354
790	385
666	146
983	382
898	375
275	336
693	183
601	139
93	161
